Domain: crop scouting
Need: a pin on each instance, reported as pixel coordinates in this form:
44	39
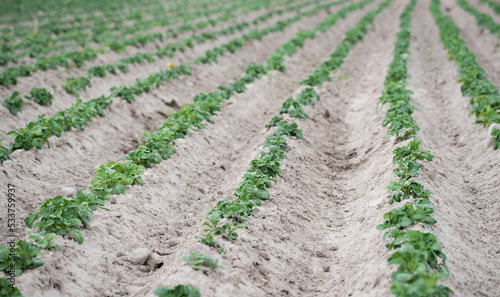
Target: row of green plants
66	215
9	75
494	5
418	256
229	215
37	44
485	99
35	134
482	19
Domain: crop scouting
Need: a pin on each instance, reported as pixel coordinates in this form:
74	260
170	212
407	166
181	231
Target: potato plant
177	291
40	95
13	103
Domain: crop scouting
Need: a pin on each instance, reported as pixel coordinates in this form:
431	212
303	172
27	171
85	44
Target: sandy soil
316	236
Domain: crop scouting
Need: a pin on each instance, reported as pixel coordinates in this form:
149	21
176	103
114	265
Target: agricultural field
250	148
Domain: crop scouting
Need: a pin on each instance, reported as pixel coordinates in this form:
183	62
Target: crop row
35	134
485	99
417	254
65	216
37	44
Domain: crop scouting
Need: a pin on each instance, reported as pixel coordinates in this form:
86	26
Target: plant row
417	254
229	215
35	134
66	215
485	99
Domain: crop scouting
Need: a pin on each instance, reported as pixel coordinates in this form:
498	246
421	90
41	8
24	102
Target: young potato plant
77	116
6	290
414	276
23	258
13	103
40	96
177	291
60	216
74	85
115	176
4	153
496	138
201	262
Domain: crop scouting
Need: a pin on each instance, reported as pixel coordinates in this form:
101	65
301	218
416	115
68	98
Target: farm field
250	148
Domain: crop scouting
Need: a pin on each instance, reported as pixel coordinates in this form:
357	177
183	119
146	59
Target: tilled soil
316	236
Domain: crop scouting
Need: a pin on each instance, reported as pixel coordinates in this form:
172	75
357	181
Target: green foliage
99	71
114	177
407	215
425	242
496	138
64	216
24	257
43	240
74	85
177	291
413	276
201	261
6	290
40	96
228	230
4	153
13	103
